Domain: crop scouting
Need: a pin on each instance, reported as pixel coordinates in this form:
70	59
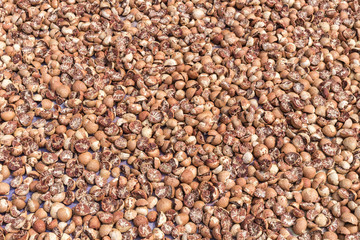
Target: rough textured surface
179	119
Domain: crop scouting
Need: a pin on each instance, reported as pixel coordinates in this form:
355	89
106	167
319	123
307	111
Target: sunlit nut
309	172
310	195
247	158
4	188
260	150
47	104
350	143
152	201
59	197
32	205
7	116
321	220
333	178
198	14
39	226
152	216
64	214
330	236
163	205
182	219
300	226
130	214
140	219
105	229
115	234
91	127
142	210
79	86
93	165
158	234
329	131
348	217
63	91
55	207
188	175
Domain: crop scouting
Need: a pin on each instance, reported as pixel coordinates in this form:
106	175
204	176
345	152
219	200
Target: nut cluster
172	119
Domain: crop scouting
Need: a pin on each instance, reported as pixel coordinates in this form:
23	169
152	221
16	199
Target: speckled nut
179	119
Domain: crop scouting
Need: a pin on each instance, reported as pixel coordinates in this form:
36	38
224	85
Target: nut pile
173	119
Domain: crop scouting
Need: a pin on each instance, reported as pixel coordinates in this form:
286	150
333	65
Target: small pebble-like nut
63	91
130	214
4	188
300	226
39	226
288	148
163	205
310	195
345	183
309	172
182	219
47	104
330	236
32	205
260	150
248	158
123	225
105	229
321	220
93	165
329	131
91	127
152	216
333	178
198	13
59	197
115	234
142	210
79	86
187	176
152	201
7	116
158	234
357	212
55	207
348	217
64	214
139	220
350	143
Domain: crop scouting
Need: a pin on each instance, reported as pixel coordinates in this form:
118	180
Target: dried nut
4	188
349	218
105	229
115	234
39	226
55	207
187	176
63	91
208	119
321	220
7	116
300	226
310	195
163	205
330	236
64	214
182	219
350	143
198	14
